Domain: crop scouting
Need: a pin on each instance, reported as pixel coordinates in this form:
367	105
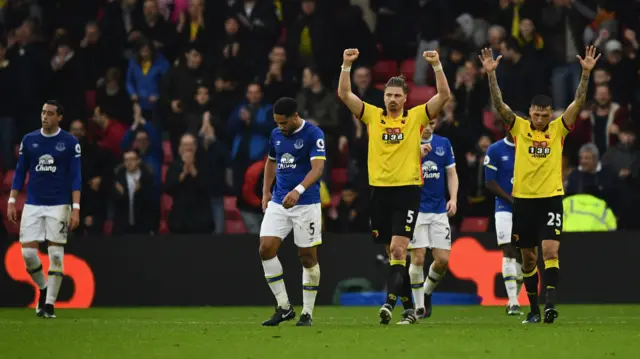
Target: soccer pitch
338	332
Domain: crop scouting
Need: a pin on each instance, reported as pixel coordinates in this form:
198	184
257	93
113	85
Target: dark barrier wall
226	270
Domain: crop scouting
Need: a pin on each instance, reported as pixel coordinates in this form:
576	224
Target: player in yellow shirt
395	169
537	180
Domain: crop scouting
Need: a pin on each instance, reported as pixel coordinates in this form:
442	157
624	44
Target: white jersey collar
51	135
509	143
301	127
428	139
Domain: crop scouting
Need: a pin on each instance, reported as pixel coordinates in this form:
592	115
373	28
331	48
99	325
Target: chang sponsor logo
430	170
287	161
46	163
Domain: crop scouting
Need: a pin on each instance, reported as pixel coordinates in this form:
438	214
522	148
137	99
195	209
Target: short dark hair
285	106
58	105
134	150
106	111
398	81
542	101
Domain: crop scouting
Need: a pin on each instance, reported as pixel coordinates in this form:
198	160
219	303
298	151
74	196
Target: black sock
406	296
531	285
551	279
394	283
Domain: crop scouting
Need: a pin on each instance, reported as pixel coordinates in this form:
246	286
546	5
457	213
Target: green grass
338	332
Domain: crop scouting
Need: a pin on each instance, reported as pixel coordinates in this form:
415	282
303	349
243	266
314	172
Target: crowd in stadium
189	84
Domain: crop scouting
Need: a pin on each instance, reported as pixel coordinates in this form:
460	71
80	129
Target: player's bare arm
437	102
12	215
75	212
344	86
269	177
588	63
495	188
317	167
452	184
490	65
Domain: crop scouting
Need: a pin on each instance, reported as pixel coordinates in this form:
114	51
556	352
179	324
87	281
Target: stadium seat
488	120
165	169
166	205
408	68
231	211
168	154
335	199
235	227
90	100
164	228
419	94
6	181
474	224
108	227
380	86
384	69
339	177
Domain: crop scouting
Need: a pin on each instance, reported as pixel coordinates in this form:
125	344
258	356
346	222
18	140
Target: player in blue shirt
51	157
432	227
498	174
296	162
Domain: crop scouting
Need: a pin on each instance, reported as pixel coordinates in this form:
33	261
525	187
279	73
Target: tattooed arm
496	99
588	63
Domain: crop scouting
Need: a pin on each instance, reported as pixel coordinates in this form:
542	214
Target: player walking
432	228
498	174
51	157
296	161
537	180
395	174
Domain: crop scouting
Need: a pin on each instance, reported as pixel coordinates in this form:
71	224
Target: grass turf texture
338	332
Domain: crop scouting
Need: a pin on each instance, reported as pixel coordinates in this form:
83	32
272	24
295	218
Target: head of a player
51	116
430	128
285	114
395	94
540	111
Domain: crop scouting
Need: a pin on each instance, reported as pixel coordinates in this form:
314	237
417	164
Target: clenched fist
350	56
432	57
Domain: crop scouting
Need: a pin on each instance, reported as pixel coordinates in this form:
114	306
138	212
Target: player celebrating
296	161
395	174
432	228
537	185
52	159
498	174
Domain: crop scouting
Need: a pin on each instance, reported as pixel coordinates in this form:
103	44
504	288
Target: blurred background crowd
171	99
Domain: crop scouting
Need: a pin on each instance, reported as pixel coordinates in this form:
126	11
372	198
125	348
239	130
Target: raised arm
437	102
490	65
588	63
352	101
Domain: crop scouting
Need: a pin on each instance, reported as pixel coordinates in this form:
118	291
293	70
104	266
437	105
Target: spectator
518	69
280	80
316	103
394	24
250	199
155	28
117	26
135	198
470	92
495	36
191	211
624	155
8	110
200	106
529	39
619	66
480	205
308	39
110	132
66	84
193	27
147	141
112	97
234	53
144	75
93	55
215	164
350	215
258	23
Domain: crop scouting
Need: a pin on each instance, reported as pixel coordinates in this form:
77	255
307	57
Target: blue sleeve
76	167
131	82
127	140
491	165
451	158
156	140
272	148
317	146
21	169
235	124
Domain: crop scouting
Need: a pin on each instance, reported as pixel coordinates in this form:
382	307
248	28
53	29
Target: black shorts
536	219
394	212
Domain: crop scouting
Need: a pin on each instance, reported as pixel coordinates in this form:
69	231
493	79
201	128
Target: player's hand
425	149
488	62
350	56
265	201
432	57
75	219
12	215
452	207
590	58
290	199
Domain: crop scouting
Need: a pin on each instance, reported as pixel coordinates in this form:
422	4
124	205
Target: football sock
34	266
405	296
274	275
531	285
56	268
551	278
519	279
509	274
310	283
416	275
432	280
394	280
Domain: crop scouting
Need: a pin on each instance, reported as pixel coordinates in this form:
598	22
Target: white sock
56	268
34	266
310	283
432	280
274	275
519	277
509	275
416	274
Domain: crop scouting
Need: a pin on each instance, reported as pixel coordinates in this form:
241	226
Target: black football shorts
394	212
535	220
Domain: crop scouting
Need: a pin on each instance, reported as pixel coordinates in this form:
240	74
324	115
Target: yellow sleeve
518	124
369	113
564	129
325	196
420	112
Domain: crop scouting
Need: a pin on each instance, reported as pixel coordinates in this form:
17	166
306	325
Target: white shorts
432	231
503	227
305	221
40	223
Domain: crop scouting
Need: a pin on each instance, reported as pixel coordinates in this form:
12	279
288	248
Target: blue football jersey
498	166
293	155
433	198
53	164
